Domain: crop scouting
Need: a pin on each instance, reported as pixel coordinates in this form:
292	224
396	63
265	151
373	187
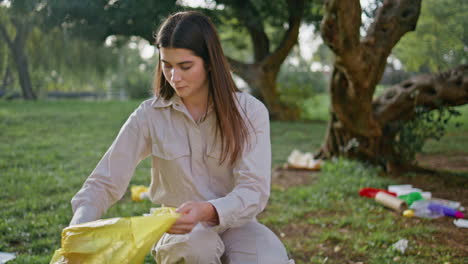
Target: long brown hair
194	31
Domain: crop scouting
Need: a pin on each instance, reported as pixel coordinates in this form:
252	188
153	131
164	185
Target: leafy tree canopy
440	40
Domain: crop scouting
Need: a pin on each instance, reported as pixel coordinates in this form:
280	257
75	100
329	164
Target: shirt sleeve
109	180
252	174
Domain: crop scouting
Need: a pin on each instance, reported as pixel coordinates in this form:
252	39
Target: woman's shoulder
249	103
146	107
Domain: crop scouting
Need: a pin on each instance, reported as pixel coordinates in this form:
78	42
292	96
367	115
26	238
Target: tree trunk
21	63
262	74
17	47
360	127
262	81
396	106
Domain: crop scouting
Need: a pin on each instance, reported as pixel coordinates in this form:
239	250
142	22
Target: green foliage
61	62
270	15
316	107
440	41
427	124
96	20
297	83
133	74
57	60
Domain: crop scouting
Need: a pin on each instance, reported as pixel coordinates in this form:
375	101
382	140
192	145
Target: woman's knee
202	245
253	243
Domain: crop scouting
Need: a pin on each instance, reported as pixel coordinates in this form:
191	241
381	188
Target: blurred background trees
103	49
440	41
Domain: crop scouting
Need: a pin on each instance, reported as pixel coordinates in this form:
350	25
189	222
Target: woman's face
185	72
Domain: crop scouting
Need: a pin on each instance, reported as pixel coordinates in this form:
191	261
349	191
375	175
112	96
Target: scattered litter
391	201
299	160
372	192
401	245
408	213
403	189
420	203
336	249
395	188
4	257
462	223
430	209
139	192
410	198
451	204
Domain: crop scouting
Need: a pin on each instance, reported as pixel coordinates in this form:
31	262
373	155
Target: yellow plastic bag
116	240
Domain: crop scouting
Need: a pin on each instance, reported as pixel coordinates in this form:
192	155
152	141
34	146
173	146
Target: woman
211	154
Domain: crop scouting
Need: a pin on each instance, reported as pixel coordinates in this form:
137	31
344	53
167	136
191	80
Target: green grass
47	149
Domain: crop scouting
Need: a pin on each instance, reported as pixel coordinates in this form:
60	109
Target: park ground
48	148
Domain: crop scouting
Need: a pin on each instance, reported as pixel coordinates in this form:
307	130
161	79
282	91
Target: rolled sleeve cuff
84	214
225	209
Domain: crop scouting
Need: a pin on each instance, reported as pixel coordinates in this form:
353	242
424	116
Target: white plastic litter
462	223
395	188
426	195
405	189
297	159
401	245
4	257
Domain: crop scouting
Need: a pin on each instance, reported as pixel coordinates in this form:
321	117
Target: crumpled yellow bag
115	240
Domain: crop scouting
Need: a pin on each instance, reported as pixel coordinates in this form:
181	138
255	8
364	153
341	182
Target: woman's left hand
193	213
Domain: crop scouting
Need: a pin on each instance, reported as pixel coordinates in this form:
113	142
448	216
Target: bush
427	124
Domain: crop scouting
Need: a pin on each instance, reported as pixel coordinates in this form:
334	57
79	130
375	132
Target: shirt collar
176	102
160	102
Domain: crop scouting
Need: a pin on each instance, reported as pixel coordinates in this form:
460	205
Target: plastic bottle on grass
449	203
421	209
429	209
447	211
410	198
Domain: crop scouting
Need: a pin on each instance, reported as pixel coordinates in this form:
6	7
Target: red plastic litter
372	192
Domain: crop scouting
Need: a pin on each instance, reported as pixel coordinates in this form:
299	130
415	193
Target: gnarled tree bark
361	127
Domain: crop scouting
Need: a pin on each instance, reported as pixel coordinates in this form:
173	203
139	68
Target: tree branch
296	12
393	20
248	14
429	90
238	67
340	25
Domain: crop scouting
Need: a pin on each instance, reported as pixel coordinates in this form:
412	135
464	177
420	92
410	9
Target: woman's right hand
193	213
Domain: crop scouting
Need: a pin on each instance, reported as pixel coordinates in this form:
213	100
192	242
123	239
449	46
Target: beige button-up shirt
185	163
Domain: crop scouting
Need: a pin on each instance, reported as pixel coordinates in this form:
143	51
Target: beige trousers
248	244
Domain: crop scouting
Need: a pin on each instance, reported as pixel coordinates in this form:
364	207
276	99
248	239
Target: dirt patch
283	178
451	182
451	161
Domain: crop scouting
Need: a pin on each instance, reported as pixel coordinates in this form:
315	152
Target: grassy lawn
47	149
